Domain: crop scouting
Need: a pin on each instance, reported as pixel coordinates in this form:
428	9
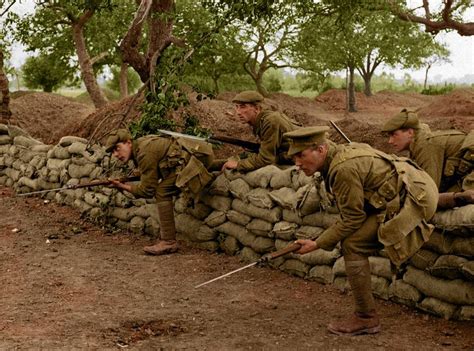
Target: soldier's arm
149	177
270	140
430	158
349	194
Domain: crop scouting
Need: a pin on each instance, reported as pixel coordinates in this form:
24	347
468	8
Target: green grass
296	93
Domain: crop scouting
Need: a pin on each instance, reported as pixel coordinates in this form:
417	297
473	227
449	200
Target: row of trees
194	41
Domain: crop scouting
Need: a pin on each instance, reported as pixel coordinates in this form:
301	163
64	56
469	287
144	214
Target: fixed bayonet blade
227	274
193	137
43	191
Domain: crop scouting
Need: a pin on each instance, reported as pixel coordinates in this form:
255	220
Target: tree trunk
367	84
260	87
5	112
123	81
351	87
87	72
426	76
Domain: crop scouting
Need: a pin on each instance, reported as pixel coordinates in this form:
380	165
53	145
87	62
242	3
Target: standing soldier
268	126
384	202
447	156
167	166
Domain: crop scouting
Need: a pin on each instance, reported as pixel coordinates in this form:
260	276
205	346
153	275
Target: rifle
217	139
340	131
265	258
85	185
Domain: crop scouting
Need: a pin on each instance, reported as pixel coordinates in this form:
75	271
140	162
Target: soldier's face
401	139
123	151
311	160
247	113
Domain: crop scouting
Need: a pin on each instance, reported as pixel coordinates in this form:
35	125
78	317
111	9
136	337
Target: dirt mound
383	101
45	115
460	102
112	116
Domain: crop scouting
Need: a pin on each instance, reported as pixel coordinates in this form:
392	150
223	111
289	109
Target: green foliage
439	90
192	127
44	72
133	80
273	81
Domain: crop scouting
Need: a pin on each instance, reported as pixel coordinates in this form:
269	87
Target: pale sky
461	47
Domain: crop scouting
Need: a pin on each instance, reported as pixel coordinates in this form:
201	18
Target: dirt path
67	284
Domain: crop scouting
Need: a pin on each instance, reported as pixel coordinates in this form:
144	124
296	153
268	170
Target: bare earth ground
68	284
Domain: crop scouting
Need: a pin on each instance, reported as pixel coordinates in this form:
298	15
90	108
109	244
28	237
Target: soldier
447	156
167	166
384	202
268	126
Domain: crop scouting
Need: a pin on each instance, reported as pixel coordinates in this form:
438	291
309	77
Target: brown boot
162	247
359	323
168	243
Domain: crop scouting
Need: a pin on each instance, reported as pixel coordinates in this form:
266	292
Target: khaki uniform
447	156
168	165
384	202
269	128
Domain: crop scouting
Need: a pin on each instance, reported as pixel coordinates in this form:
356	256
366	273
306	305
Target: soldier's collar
329	157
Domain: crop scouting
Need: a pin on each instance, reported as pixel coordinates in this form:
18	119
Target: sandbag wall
250	215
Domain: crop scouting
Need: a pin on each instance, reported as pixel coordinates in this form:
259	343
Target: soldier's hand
464	198
306	246
119	185
231	164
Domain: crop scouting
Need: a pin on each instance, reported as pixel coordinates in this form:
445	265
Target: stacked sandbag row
28	165
442	272
250	215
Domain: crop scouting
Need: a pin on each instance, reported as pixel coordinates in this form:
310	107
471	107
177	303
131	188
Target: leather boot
168	243
364	320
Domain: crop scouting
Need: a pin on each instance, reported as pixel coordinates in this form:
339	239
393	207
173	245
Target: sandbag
260	198
239	189
248	255
199	210
282	179
238	218
380	287
220	203
284	230
215	218
437	307
284	197
230	245
404	293
187	224
220	186
261	177
467	269
460	219
260	227
295	267
291	216
273	215
380	267
308	232
422	259
448	267
457	292
322	274
321	219
320	257
308	200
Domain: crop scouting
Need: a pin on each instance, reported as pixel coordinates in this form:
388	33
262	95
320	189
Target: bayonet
216	139
265	258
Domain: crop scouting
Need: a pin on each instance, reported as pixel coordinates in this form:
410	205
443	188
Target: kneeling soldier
384	202
446	155
167	166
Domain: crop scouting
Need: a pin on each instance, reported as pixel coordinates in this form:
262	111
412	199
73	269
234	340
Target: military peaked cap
247	97
115	137
402	120
304	138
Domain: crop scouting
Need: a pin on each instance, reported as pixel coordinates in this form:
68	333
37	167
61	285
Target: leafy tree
440	55
6	17
220	55
132	80
268	44
83	33
44	72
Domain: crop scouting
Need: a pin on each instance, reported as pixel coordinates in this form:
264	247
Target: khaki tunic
384	201
269	128
168	165
439	154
